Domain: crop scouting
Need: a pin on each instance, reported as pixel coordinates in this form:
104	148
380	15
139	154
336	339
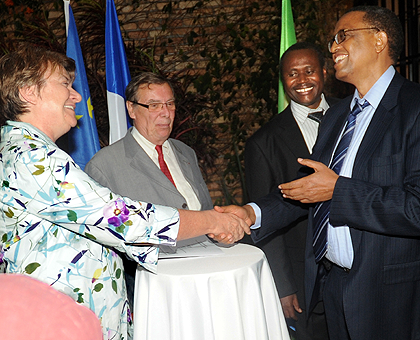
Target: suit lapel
379	125
289	131
331	127
183	162
141	162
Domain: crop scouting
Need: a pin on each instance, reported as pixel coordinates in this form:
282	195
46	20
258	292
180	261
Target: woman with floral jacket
57	224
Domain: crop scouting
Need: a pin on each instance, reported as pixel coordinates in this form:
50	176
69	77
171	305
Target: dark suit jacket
381	205
270	159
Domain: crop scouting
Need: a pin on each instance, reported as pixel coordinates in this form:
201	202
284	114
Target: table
230	296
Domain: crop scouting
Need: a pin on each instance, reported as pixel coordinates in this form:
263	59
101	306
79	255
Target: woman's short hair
27	66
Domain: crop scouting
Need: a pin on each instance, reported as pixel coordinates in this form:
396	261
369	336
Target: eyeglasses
155	107
341	35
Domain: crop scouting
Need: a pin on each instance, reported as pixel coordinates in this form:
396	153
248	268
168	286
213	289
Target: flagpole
287	39
66	15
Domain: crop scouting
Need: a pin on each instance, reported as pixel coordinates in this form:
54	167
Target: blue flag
83	139
117	75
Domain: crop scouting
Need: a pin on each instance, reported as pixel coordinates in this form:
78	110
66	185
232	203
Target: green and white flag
287	38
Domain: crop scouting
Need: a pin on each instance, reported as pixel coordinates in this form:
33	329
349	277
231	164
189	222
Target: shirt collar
32	129
301	112
147	145
377	91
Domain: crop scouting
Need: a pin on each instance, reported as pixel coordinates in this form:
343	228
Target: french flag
117	75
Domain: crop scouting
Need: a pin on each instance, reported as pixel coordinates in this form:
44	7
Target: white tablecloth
230	296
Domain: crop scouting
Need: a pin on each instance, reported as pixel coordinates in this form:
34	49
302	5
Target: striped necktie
316	116
322	209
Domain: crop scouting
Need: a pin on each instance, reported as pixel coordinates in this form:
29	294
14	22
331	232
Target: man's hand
245	212
229	228
290	304
317	187
235	211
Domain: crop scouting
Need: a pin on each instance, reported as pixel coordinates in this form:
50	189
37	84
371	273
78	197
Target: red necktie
163	165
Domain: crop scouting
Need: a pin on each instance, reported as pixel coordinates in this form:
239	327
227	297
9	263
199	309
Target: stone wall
179	35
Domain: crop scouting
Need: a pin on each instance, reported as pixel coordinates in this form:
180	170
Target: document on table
193	247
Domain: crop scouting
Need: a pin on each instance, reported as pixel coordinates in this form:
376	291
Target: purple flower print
116	212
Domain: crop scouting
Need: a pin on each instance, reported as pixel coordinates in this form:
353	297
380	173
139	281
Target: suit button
184	206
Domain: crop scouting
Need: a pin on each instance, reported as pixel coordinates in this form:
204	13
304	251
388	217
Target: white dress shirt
307	126
181	183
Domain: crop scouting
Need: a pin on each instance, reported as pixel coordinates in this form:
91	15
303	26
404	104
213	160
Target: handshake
230	223
236	220
224	224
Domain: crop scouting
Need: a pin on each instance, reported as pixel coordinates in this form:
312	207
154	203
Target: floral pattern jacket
61	227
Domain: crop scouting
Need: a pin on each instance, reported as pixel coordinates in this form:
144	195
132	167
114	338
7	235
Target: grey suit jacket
126	169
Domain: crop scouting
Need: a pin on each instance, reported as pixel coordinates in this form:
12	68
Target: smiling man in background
271	158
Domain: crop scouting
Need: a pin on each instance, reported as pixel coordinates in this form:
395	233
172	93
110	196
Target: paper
193	247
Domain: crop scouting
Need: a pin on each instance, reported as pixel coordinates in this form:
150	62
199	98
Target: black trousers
333	302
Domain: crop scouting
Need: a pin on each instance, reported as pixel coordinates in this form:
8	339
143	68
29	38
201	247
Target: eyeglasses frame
162	104
344	31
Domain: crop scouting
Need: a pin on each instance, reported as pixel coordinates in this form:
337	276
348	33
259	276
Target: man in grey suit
134	167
